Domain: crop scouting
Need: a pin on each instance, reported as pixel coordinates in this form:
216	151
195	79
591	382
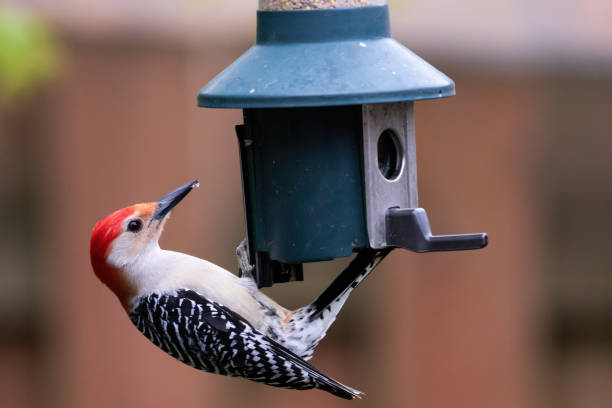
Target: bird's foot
244	263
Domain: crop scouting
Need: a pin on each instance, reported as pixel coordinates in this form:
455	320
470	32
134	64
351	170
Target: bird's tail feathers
340	390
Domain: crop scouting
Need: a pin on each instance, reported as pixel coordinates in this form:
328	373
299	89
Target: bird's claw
244	263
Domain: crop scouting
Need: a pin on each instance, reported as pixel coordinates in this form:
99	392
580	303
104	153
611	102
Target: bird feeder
327	147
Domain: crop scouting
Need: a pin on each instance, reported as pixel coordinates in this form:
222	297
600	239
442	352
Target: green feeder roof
324	58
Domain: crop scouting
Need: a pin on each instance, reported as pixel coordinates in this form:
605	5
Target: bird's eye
134	226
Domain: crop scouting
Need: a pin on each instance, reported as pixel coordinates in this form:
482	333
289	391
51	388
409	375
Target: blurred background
98	111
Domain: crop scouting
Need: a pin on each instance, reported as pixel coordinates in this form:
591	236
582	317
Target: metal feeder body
328	146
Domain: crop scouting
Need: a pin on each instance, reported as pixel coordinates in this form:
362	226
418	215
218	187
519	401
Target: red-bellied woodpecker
209	318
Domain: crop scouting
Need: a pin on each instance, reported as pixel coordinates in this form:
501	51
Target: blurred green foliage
29	55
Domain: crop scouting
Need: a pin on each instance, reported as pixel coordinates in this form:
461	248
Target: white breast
166	272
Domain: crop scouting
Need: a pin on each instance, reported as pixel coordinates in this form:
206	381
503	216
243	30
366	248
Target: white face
138	236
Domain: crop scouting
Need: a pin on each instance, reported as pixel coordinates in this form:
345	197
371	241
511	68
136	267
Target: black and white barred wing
210	337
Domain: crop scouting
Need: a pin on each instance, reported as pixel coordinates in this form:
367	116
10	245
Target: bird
212	319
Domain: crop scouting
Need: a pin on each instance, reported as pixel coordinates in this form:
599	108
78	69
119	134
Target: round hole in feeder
390	160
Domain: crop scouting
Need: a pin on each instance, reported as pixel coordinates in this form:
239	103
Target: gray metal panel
315	4
381	193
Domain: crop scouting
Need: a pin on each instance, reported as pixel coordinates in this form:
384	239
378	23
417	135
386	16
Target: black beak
167	202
